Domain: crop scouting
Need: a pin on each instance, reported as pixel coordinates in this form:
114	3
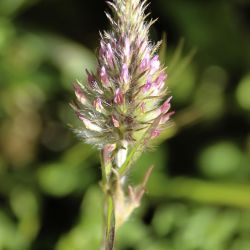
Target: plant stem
109	237
109	212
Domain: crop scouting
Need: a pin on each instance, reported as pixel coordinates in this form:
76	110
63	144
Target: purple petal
109	54
166	117
166	105
119	99
102	49
80	94
98	104
154	64
160	79
88	124
155	133
145	63
91	79
147	86
104	76
124	73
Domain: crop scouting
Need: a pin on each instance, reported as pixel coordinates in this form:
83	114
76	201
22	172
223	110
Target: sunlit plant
123	106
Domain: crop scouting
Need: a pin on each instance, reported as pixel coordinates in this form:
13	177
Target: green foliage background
199	194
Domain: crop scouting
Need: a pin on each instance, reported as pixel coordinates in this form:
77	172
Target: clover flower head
126	96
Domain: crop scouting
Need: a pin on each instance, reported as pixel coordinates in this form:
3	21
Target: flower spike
129	79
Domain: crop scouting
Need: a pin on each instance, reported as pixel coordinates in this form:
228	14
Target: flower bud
80	94
98	104
119	98
166	105
104	76
88	124
124	74
91	79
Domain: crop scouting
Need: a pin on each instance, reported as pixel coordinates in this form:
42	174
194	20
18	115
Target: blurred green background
199	194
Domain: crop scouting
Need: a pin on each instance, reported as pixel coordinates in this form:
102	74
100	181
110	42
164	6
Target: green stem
109	212
109	224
